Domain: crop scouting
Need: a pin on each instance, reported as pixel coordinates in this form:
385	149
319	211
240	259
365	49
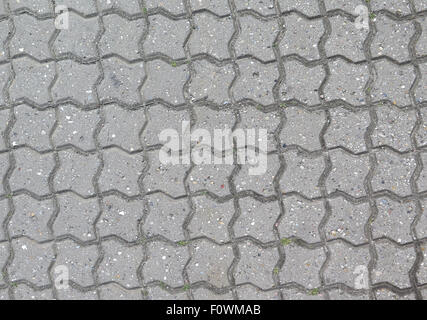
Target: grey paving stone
121	172
420	5
74	294
167	178
120	218
256	38
24	292
422	271
128	6
81	6
302	174
4	31
393	172
211	219
219	7
421	133
120	264
347	264
173	6
346	40
4	119
304	46
302	266
32	36
294	294
32	80
79	38
31	218
394	220
156	293
421	46
342	85
79	260
420	90
122	128
251	223
113	291
347	6
248	292
76	127
302	219
385	294
392	82
4	210
309	78
32	128
256	81
307	7
395	6
4	255
422	180
165	82
76	172
166	217
296	132
76	217
122	81
212	178
347	221
262	7
5	74
31	261
205	294
347	129
210	263
211	35
342	295
394	128
38	7
421	226
211	83
263	183
165	263
256	265
4	295
32	171
166	36
348	173
4	165
393	264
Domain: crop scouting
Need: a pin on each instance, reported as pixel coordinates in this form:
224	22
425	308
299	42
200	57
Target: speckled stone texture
339	213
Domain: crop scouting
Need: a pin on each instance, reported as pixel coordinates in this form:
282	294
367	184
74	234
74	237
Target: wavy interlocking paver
342	202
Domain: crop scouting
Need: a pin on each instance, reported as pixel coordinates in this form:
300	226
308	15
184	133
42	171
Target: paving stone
76	127
4	165
422	180
32	128
302	174
421	226
347	129
32	171
421	46
113	291
420	5
122	128
210	263
166	217
394	220
421	133
394	128
348	173
82	6
211	219
76	217
393	264
5	73
38	7
31	218
256	81
219	7
30	262
74	294
4	31
4	119
32	36
173	6
212	178
347	221
4	255
262	7
394	6
307	7
342	85
32	80
422	271
294	294
393	172
385	294
156	293
296	132
211	83
165	82
342	295
79	261
347	6
4	210
302	219
420	90
256	265
165	264
205	294
166	36
121	172
76	172
122	81
293	43
392	82
346	40
120	264
168	178
262	183
248	292
256	38
302	266
24	292
309	78
128	6
348	265
251	223
79	39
